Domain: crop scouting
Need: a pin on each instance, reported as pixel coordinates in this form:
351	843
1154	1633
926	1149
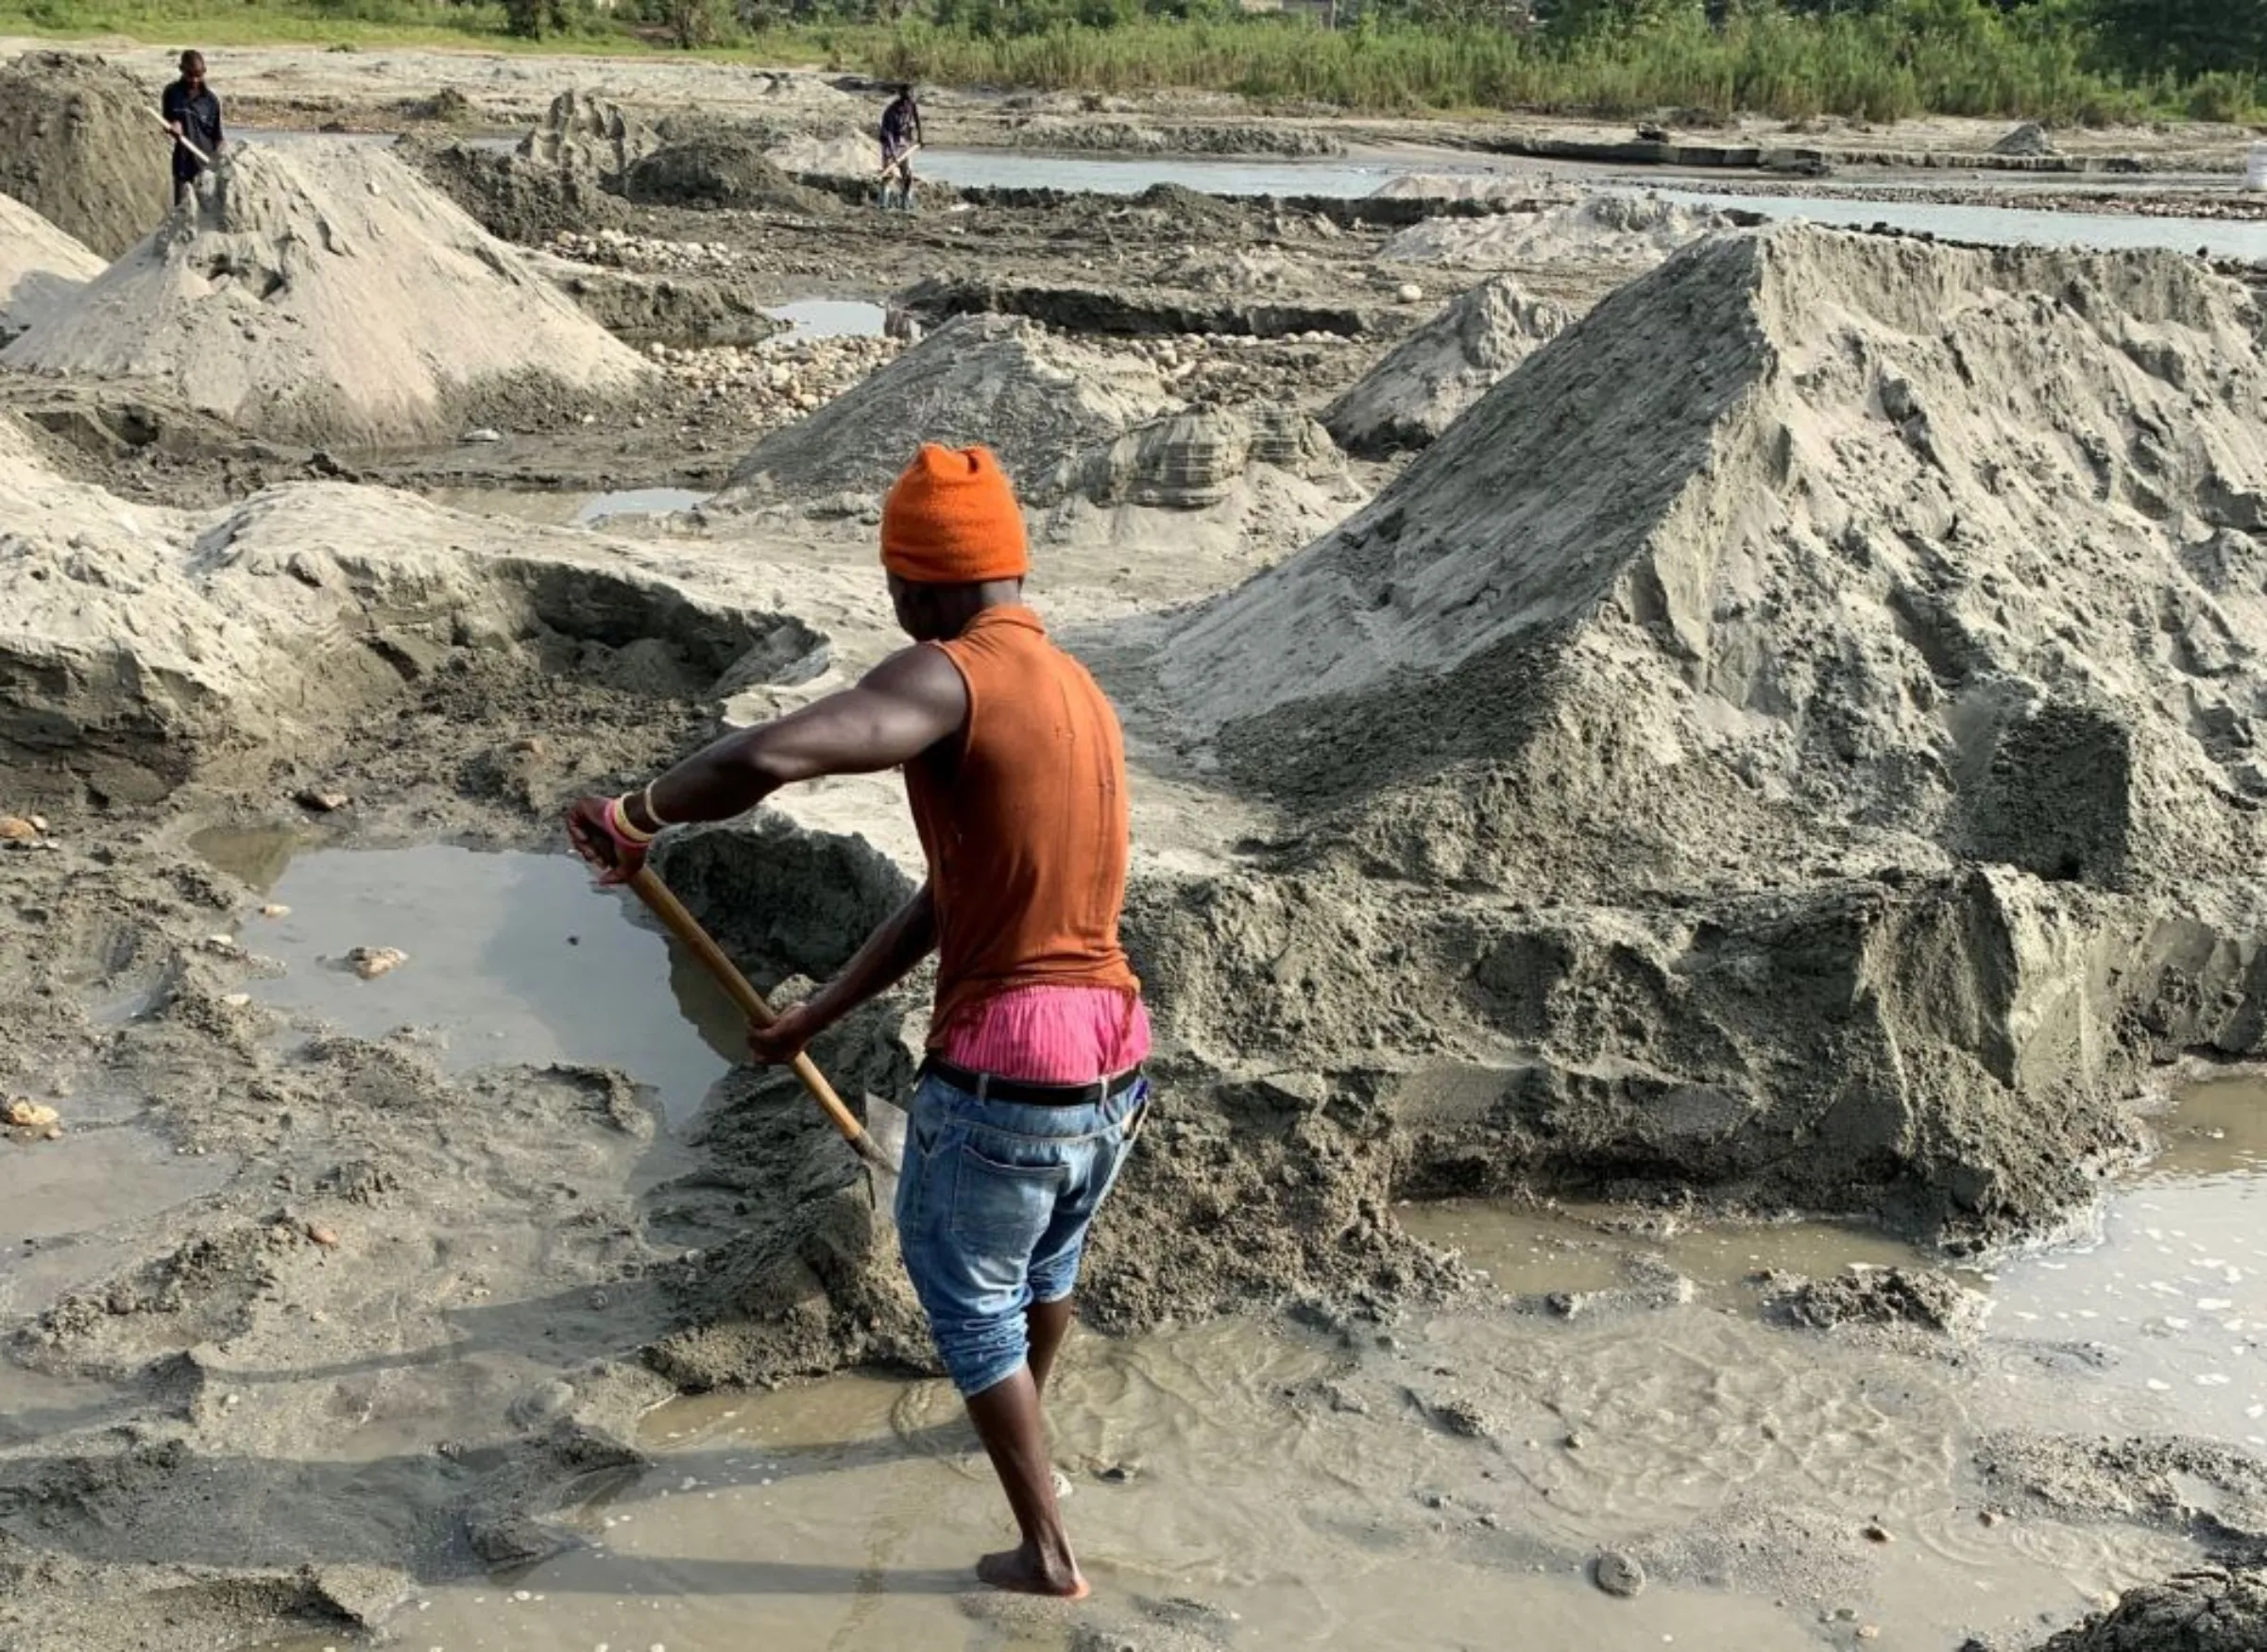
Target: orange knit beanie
953	520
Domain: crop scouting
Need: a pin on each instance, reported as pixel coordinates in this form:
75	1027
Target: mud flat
1786	744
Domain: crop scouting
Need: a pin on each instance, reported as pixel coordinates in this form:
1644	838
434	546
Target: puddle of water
61	1201
2167	1296
1571	1248
2173	1288
636	501
513	958
2009	225
848	1513
985	169
833	319
566	509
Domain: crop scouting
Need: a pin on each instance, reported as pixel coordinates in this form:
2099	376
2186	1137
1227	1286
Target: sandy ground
1786	746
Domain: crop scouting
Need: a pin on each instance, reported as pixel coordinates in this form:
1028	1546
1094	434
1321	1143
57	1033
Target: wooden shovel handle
686	927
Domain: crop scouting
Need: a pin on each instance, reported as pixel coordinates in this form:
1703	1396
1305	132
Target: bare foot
1024	1572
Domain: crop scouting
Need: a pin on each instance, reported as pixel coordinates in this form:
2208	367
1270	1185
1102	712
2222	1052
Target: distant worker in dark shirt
193	116
900	136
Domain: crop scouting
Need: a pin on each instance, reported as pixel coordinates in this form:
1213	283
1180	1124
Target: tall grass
1911	58
1762	63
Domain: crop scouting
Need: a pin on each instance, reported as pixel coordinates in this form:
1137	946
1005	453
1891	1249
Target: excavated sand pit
1785	747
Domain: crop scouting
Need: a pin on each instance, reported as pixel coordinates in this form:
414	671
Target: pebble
324	802
322	1235
237	1000
273	910
484	435
1618	1574
1878	1533
1411	292
24	1114
372	962
16	829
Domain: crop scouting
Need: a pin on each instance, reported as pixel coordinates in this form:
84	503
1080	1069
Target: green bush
2234	98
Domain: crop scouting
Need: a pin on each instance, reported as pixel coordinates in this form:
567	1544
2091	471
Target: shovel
194	153
882	1143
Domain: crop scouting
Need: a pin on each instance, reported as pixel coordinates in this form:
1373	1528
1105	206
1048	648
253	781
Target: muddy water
833	319
68	1208
1286	1488
995	169
512	959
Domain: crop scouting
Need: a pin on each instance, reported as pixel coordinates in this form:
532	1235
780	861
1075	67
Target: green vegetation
2087	60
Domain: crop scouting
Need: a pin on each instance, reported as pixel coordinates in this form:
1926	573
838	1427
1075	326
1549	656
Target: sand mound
823	154
1633	513
516	199
1633	231
41	269
1424	385
1242	270
1193	460
1474	186
717	171
1898	607
330	294
584	132
2030	139
80	145
1035	398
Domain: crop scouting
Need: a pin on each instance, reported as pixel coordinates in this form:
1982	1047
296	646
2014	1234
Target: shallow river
1994	224
1346	178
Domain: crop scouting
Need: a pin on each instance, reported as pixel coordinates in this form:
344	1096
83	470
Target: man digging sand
192	114
1032	1092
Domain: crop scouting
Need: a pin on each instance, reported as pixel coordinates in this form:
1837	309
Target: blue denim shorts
993	1206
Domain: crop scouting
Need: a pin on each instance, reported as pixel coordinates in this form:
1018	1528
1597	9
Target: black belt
984	1087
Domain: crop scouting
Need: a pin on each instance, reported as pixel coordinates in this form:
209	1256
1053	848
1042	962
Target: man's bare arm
887	958
899	709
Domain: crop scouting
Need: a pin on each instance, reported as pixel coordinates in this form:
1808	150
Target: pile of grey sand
81	146
326	294
41	269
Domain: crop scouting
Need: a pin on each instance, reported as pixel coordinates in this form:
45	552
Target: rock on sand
80	144
41	269
2207	1610
328	294
1424	385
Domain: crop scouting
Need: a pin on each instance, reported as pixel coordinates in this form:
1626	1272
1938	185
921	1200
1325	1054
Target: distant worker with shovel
192	114
900	136
1032	1092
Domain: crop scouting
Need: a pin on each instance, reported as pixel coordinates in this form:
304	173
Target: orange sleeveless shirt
1026	825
